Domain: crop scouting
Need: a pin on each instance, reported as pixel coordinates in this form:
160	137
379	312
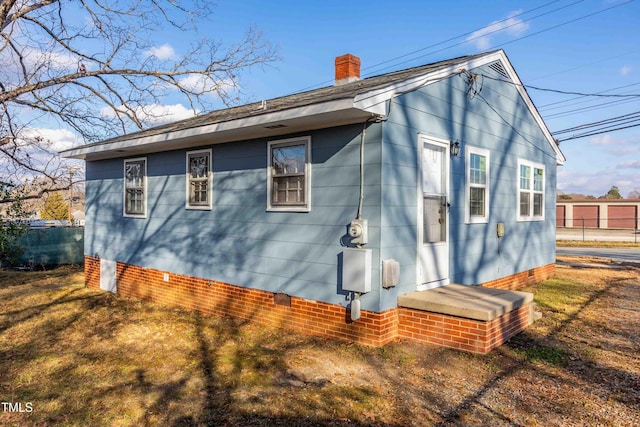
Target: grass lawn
82	357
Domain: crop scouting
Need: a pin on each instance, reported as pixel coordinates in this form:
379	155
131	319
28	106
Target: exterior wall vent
278	126
498	68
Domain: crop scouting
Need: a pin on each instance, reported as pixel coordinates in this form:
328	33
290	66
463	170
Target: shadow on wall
496	122
237	241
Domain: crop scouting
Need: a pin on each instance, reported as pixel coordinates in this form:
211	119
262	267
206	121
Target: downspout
362	139
374	119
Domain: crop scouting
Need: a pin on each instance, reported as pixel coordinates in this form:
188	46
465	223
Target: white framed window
477	189
289	174
199	179
531	178
135	187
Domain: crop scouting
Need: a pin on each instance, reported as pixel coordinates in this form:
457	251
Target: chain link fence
596	228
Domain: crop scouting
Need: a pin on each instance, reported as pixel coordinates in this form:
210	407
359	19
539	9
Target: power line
544	107
612	124
482	130
375	66
529	35
471	32
565	92
590	108
566	23
597	133
608	58
622	118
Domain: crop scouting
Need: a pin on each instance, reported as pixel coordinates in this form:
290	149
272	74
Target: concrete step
471	302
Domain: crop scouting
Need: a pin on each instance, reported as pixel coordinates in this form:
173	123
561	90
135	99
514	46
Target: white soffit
326	114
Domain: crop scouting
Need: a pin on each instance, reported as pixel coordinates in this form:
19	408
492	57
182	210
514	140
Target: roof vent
498	68
347	69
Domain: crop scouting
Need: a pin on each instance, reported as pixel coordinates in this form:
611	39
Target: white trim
303	118
432	285
124	188
422	139
209	181
533	166
324	114
468	219
374	100
560	158
306	140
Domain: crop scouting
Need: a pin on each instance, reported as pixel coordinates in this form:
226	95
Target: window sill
138	216
198	208
300	209
530	219
476	221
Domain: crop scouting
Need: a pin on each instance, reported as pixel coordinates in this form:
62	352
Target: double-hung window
477	185
530	191
135	187
199	179
288	175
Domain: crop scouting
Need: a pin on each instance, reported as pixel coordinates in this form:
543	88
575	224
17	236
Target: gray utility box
356	270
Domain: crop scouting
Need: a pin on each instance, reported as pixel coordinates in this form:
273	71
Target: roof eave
269	124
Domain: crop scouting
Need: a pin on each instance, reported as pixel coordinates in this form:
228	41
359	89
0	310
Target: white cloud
629	164
55	139
512	25
597	182
157	114
162	52
615	145
202	83
63	61
604	140
626	70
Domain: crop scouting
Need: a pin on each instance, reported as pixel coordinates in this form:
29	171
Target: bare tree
96	67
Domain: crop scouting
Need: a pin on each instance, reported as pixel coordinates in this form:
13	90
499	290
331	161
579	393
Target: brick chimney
347	69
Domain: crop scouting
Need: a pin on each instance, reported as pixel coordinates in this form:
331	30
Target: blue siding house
318	211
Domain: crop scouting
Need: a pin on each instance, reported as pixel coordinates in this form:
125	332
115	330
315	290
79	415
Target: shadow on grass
526	351
71	356
74	358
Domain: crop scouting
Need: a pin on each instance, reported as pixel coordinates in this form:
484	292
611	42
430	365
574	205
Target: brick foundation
318	318
464	334
92	272
523	278
211	297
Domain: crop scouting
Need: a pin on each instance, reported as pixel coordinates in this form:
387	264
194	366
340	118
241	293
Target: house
367	210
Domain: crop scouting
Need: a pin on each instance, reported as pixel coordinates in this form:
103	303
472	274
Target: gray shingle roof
330	93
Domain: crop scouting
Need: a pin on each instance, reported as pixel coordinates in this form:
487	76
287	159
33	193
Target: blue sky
589	55
586	46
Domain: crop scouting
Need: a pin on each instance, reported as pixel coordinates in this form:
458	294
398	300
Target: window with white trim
199	179
530	191
477	185
135	187
288	174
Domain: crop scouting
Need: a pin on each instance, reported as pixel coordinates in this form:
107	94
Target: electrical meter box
500	229
356	270
359	231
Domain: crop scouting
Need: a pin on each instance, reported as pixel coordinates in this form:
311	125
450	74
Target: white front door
433	214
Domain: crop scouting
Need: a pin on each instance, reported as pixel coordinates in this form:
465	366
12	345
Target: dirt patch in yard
82	357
